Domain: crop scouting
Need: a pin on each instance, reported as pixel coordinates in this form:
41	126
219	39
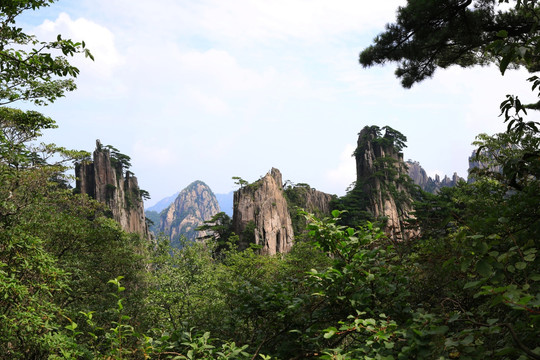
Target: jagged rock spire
380	173
261	215
106	183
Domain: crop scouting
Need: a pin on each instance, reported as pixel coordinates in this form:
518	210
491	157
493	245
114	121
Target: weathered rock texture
312	200
302	196
193	205
261	215
475	165
108	184
381	175
427	183
418	174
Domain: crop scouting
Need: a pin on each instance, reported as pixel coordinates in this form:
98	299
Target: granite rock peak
261	215
192	207
106	180
381	175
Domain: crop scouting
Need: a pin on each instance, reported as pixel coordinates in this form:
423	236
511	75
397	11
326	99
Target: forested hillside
464	283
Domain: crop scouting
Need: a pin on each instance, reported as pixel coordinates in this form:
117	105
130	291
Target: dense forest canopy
74	285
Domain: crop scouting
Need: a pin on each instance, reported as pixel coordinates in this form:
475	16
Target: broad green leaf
439	330
330	332
484	268
472	284
530	257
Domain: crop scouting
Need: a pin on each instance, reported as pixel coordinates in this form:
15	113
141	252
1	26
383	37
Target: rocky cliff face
427	183
106	181
194	205
313	201
302	196
261	215
418	174
381	175
475	165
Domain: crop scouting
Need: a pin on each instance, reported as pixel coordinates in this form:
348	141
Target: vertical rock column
106	184
378	169
262	207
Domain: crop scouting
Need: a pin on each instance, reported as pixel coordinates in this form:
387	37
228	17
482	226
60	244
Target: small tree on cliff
240	182
120	161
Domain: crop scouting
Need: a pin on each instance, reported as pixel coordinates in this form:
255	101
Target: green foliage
467	288
119	161
385	179
239	181
152	219
219	229
392	139
248	235
181	282
30	69
475	266
437	34
29	280
144	194
353	207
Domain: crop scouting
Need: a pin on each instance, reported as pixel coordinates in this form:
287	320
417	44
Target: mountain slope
163	203
193	205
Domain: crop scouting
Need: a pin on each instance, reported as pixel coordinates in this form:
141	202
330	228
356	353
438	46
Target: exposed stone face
418	174
302	196
474	163
261	206
379	173
317	202
427	183
107	184
193	205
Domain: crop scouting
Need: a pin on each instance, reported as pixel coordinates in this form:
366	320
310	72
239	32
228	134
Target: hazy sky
211	89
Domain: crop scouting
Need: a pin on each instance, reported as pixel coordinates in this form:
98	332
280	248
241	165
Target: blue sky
211	89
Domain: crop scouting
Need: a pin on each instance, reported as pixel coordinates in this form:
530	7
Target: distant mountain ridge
225	203
163	203
427	183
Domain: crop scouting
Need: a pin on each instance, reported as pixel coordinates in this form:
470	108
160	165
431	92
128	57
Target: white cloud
211	104
221	70
246	21
311	20
215	86
97	38
151	152
340	177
